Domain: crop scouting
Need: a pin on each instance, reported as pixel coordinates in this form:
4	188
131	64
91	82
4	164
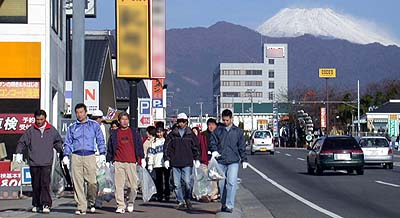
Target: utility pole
358	105
251	91
78	52
188	107
201	111
327	106
217	103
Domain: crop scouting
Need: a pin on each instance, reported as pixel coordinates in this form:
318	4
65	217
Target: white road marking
389	184
278	152
300	159
294	195
289	155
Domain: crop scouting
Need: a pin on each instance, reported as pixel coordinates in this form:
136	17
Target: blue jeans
179	174
228	186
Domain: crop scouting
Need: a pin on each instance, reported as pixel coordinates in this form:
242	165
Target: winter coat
40	146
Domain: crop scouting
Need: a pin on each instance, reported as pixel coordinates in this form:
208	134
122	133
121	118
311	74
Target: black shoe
228	210
167	199
223	208
189	205
180	206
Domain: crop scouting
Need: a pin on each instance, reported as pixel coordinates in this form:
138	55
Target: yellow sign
327	73
20	60
133	38
19	90
393	116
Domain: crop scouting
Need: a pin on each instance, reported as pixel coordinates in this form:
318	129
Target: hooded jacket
230	145
40	146
181	151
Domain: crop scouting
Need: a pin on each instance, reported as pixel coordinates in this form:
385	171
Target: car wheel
391	166
385	166
319	170
360	171
251	152
350	171
310	170
272	152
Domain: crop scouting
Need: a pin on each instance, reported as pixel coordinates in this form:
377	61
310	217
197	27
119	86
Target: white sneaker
92	210
78	212
46	209
34	209
130	208
120	210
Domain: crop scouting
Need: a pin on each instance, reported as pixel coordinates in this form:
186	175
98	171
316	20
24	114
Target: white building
33	50
241	83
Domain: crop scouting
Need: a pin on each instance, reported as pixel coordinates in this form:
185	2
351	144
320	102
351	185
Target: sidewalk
247	205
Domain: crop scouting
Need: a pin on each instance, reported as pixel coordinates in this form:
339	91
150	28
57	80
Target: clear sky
252	13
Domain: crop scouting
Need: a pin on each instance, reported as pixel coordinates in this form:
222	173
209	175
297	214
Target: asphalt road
287	190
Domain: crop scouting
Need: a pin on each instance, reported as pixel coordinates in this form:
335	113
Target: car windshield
374	142
262	135
339	144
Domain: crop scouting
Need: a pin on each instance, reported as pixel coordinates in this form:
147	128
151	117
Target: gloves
150	168
245	165
19	158
166	164
66	161
196	163
102	159
144	164
215	154
108	164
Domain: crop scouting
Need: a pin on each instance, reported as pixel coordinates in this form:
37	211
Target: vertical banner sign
393	125
133	38
157	93
158	39
323	117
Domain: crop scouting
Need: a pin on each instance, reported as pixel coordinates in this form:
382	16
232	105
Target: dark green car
335	153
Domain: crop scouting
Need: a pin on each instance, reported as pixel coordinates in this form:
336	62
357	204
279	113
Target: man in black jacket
182	152
228	146
40	139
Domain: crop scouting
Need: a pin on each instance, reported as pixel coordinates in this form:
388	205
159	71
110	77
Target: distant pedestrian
79	148
228	146
182	152
40	139
156	162
150	139
114	125
97	116
125	150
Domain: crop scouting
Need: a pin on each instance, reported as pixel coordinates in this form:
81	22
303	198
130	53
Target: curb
247	205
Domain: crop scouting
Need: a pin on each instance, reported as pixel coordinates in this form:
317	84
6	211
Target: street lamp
217	103
251	91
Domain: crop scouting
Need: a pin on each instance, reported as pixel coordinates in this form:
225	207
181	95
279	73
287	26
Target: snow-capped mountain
326	23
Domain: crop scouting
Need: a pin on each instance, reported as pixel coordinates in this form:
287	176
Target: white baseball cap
182	116
97	113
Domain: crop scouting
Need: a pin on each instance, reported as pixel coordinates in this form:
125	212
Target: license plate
342	157
263	149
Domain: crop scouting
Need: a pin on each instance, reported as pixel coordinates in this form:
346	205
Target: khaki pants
84	170
125	174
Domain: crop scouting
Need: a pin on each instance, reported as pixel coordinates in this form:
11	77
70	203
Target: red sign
15	123
158	88
145	120
323	117
10	178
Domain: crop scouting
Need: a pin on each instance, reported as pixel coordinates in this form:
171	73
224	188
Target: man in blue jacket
228	146
80	147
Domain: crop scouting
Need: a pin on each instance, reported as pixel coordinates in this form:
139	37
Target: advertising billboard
133	39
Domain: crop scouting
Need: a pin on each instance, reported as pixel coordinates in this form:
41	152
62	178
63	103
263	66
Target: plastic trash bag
105	181
214	170
146	183
57	179
201	185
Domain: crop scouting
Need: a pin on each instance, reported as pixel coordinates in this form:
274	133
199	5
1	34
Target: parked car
335	153
377	151
261	141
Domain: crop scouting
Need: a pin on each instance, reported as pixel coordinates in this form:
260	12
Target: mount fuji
326	23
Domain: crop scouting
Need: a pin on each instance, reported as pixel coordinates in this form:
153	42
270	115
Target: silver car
377	151
262	141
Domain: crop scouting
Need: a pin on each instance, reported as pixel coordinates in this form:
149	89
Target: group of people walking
87	143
